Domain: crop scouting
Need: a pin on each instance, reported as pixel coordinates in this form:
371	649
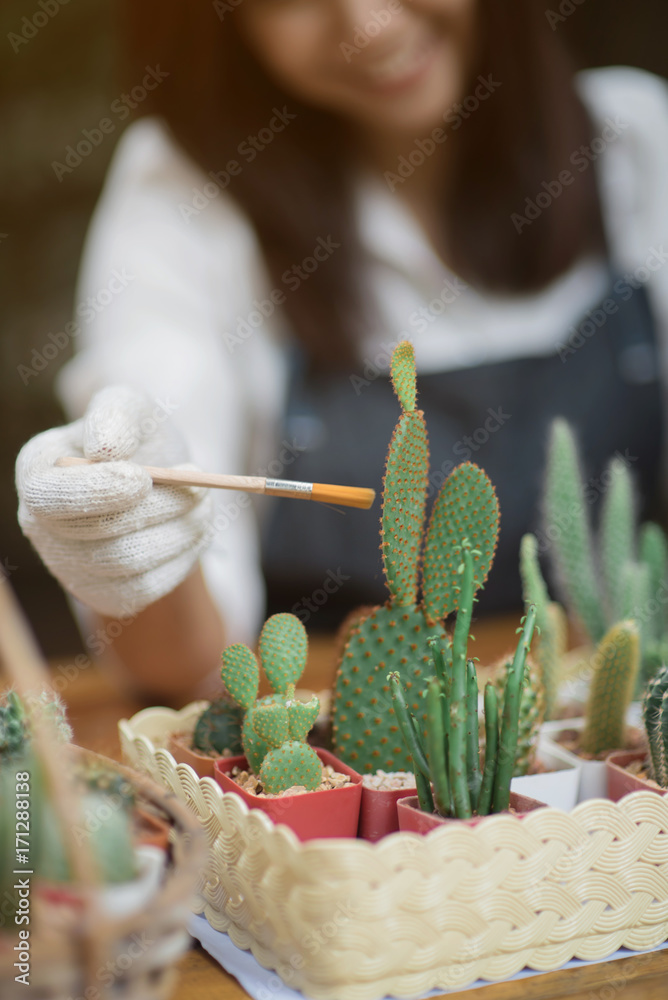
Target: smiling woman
312	182
428	67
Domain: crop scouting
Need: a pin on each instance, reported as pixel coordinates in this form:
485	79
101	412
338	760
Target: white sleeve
629	108
162	287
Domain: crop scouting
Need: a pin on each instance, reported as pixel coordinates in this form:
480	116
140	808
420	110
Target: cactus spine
275	727
387	639
614	673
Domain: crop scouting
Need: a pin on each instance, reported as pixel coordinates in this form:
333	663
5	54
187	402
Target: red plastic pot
378	812
621	782
413	820
330	813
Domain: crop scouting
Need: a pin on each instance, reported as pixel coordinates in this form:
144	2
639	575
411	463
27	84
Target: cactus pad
403	375
241	674
404	499
366	734
293	763
301	716
283	650
466	507
255	748
270	722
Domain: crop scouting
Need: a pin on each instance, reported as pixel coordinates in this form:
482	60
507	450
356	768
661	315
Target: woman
308	183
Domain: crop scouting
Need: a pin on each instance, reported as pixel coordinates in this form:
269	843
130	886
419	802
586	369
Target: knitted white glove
112	538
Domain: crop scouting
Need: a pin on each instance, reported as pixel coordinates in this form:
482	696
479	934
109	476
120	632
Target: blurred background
56	80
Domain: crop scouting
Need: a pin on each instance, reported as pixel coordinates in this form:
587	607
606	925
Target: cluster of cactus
655	717
446	761
218	729
15	721
532	708
106	802
618	573
395	636
614	665
275	727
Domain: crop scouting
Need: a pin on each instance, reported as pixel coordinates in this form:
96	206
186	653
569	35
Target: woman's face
394	65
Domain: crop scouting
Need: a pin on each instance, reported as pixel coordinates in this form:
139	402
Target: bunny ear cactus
395	636
275	727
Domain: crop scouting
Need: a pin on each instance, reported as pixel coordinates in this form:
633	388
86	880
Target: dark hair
216	95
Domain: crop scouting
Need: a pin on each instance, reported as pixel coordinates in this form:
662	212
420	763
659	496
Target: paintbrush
346	496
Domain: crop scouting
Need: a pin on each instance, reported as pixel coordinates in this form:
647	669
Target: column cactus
395	636
275	727
551	623
532	710
615	667
655	716
448	758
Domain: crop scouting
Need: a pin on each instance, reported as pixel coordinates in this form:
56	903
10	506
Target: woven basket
130	959
350	920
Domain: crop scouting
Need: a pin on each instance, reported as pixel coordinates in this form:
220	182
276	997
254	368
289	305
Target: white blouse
175	299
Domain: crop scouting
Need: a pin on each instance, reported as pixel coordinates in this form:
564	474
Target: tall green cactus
275	727
617	537
622	572
532	710
395	636
550	621
567	526
655	716
615	667
448	758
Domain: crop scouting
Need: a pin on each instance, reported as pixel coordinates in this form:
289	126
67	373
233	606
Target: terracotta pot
621	781
183	753
378	812
330	813
413	820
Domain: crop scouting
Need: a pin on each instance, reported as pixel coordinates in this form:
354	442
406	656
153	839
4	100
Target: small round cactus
275	727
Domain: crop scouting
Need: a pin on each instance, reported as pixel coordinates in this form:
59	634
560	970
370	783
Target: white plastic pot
559	785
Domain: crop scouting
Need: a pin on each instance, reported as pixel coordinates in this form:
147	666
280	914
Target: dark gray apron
321	562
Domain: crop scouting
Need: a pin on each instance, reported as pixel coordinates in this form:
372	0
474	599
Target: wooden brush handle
346	496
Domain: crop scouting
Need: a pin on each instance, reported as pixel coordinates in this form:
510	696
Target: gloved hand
112	538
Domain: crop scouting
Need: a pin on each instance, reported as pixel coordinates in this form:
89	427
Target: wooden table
95	708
